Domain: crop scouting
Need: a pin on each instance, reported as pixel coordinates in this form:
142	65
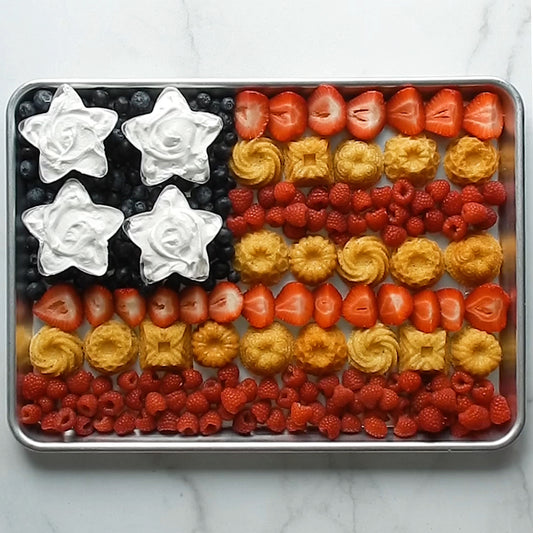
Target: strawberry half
60	307
294	304
444	113
426	311
360	306
326	110
225	302
251	114
193	305
163	307
366	115
98	305
288	116
405	111
130	306
258	307
486	308
395	304
483	117
452	308
327	306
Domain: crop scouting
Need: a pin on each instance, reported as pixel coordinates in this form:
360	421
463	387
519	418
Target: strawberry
486	308
474	213
452	204
475	418
60	307
98	305
284	192
438	189
255	216
494	193
294	304
444	113
258	306
415	226
275	217
326	110
365	115
316	219
265	197
193	305
499	410
130	306
361	201
360	307
483	116
288	116
251	114
381	196
403	192
318	198
395	304
405	111
163	307
393	236
296	215
376	220
422	201
327	305
237	225
455	228
356	224
452	308
426	311
241	199
433	220
225	302
471	193
340	197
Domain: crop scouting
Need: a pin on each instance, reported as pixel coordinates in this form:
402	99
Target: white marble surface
264	493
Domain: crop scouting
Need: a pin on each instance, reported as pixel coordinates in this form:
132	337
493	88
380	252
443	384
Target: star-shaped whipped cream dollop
173	238
69	136
173	139
72	231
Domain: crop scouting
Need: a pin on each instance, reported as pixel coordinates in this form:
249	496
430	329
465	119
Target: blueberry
35	290
222	151
140	102
208	207
127	208
98	197
214	107
174	282
217	193
154	193
224	236
28	169
223	206
28	152
100	98
230	183
193	204
227	104
42	100
118	179
139	206
113	199
139	192
230	138
32	274
31	243
122	275
219	176
49	197
226	252
116	137
125	250
227	121
121	105
35	196
210	283
84	281
202	194
135	279
234	276
32	259
203	100
26	109
220	269
193	104
212	249
134	177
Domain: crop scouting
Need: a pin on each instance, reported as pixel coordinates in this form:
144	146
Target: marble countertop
368	493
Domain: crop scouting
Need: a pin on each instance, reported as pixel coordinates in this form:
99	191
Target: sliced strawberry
452	308
194	305
98	305
294	304
426	311
225	302
444	113
360	307
395	304
258	306
405	111
365	115
60	307
486	308
483	116
288	116
326	110
130	306
251	114
327	306
163	307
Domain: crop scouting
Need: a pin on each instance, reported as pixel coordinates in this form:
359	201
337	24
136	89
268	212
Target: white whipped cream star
173	139
173	237
72	231
69	136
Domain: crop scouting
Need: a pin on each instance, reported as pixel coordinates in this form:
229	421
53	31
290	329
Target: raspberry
49	422
461	382
438	190
111	403
167	423
336	221
104	424
375	427
378	380
340	197
188	424
405	427
299	197
389	400
228	375
393	236
244	422
241	199
433	220
56	389
87	405
392	382
403	192
47	405
490	219
34	386
308	392
249	386
255	216
445	399
452	204
398	215
301	414
455	228
224	414
458	431
421	399
361	201
474	213
430	419
197	403
415	226
124	424
316	220
284	192
463	402
134	399
330	426
101	384
192	379
65	419
339	239
170	382
482	392
318	198
293	376
494	193
210	423
332	408
83	426
370	394
439	381
475	418
261	410
350	423
80	382
296	214
319	411
211	389
70	400
233	399
342	396
148	381
327	385
237	225
470	193
155	403
422	201
356	224
145	423
265	197
293	233
377	220
276	421
286	397
175	401
275	217
499	410
381	196
268	389
30	414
